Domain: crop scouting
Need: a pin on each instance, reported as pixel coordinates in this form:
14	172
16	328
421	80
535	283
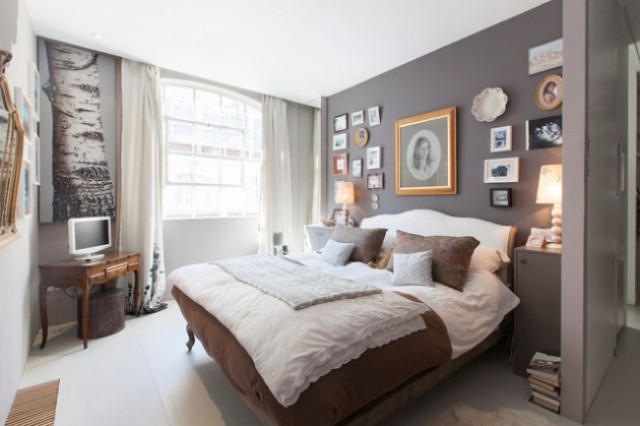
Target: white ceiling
295	49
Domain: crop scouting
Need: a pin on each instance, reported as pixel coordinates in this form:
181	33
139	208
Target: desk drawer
115	270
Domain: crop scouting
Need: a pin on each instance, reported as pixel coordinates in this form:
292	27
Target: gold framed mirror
11	152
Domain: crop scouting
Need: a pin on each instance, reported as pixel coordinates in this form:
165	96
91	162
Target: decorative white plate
489	104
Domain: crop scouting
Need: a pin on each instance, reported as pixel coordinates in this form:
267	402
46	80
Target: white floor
143	375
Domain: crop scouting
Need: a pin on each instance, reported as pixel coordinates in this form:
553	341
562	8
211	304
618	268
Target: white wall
18	260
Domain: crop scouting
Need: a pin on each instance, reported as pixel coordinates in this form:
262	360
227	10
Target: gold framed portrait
426	153
549	92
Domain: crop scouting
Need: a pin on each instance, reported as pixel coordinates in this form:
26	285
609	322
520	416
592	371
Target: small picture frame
500	197
339	141
36	159
357	118
544	133
374	157
501	170
374	116
340	167
549	92
34	89
28	206
546	56
356	167
501	139
375	181
338	216
340	123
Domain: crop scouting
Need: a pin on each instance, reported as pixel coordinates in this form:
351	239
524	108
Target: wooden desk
83	274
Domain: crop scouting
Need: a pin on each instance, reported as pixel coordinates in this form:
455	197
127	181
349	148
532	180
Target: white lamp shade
344	193
550	184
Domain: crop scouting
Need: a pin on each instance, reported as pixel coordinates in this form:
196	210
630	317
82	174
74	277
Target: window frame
221	91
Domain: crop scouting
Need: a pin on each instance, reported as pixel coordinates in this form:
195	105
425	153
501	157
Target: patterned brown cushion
367	242
451	255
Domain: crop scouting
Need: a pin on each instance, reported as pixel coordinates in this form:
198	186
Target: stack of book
544	379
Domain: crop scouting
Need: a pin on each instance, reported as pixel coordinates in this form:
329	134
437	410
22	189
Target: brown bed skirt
335	396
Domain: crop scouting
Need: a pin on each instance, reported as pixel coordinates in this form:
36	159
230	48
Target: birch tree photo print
82	184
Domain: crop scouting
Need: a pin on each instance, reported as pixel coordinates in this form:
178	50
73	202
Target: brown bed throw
335	396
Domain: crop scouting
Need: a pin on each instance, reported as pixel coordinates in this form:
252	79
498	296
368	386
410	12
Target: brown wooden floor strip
35	405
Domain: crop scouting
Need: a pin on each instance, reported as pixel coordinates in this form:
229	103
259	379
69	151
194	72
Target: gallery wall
453	76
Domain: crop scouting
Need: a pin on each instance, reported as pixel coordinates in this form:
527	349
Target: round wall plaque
362	137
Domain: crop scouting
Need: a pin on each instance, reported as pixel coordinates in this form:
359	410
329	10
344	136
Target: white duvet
292	349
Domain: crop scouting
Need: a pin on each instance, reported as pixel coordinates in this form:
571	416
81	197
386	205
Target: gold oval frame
361	137
542	89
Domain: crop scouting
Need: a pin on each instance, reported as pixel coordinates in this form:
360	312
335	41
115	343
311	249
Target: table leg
43	313
136	292
85	313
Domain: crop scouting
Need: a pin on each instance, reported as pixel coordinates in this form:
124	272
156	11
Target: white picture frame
374	157
374	116
34	90
339	141
357	118
500	140
546	56
356	167
35	160
502	170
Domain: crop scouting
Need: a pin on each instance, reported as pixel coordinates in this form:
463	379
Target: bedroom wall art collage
430	165
27	103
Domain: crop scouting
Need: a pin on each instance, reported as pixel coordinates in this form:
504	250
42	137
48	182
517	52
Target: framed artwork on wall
340	164
501	170
500	197
546	56
340	141
426	153
544	133
357	118
549	92
356	167
375	181
340	123
374	116
374	157
501	139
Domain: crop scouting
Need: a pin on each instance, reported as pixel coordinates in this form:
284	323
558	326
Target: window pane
179	168
232	202
207	138
178	102
252	174
207	202
207	170
178	201
208	107
253	135
180	133
231	172
233	113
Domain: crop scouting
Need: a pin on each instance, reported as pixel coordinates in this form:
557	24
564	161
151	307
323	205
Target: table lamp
344	195
550	192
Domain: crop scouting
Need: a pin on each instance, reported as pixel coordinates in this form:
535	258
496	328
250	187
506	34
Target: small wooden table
83	274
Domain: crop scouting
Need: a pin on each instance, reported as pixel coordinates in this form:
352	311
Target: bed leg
192	338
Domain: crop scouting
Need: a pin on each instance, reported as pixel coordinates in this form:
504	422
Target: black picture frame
500	197
375	181
340	123
544	133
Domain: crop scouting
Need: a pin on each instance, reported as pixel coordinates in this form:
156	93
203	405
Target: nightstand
537	318
316	236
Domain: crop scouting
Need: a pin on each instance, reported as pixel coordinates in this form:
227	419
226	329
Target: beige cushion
413	268
367	242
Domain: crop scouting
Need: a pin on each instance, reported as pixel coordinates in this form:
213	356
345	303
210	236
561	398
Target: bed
367	386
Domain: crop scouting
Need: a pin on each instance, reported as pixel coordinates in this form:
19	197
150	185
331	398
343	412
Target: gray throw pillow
336	253
367	242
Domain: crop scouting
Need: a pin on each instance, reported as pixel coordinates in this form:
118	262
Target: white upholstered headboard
430	222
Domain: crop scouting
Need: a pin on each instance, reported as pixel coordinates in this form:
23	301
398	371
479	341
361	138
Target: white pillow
413	268
336	253
488	258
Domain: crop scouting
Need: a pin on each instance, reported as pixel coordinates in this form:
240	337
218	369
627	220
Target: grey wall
453	76
18	260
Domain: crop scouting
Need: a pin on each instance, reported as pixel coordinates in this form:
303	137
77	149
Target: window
214	152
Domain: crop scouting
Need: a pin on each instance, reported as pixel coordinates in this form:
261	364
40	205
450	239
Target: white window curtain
141	179
276	195
316	210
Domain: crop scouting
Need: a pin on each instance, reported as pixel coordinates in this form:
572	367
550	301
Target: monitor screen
89	235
